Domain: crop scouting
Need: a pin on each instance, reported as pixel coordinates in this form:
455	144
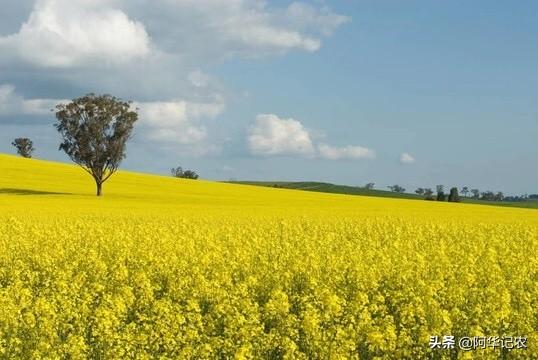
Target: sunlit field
167	268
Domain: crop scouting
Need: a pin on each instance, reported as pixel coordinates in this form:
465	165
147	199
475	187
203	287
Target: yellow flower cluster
175	269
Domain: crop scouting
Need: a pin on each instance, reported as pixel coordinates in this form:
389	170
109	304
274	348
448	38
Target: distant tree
499	196
440	193
516	198
369	186
476	193
177	172
454	196
396	189
465	191
488	196
24	146
419	191
95	130
428	194
189	174
184	174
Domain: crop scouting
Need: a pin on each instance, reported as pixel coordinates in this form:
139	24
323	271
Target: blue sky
318	91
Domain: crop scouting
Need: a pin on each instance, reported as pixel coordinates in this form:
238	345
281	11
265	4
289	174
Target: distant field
352	190
167	268
330	188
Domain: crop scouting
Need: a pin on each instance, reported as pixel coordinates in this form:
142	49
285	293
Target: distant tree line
474	194
518	198
454	194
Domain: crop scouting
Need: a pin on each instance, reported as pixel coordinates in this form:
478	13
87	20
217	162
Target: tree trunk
99	188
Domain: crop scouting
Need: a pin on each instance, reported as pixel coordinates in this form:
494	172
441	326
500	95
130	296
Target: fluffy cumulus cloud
346	152
68	33
406	158
64	33
12	103
177	121
224	28
272	135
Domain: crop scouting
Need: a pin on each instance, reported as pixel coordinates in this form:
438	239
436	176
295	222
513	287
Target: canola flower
177	269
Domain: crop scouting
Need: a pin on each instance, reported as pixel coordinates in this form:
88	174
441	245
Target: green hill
330	188
353	190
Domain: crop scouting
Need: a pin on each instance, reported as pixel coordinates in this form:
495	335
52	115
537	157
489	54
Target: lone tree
187	174
24	146
454	196
95	129
440	193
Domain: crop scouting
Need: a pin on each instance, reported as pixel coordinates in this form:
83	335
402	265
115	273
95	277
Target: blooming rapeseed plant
178	269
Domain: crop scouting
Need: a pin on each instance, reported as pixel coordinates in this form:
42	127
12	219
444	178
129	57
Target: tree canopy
24	146
184	174
95	130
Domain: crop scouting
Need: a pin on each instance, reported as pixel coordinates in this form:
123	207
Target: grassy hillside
330	188
352	190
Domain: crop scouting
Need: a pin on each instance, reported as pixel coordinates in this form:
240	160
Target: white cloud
346	152
65	33
223	28
70	33
406	158
199	79
306	16
12	103
271	135
177	121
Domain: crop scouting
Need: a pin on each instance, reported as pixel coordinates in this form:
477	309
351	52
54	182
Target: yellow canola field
179	269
